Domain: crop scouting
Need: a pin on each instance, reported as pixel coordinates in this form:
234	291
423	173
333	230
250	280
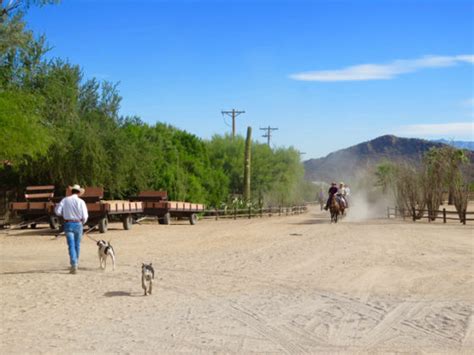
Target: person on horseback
332	191
348	193
342	194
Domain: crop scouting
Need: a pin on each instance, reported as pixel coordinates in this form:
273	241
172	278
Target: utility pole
234	113
269	133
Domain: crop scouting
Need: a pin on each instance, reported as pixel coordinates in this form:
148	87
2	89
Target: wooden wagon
37	207
102	211
155	203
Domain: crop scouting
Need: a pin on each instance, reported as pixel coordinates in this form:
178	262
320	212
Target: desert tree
443	173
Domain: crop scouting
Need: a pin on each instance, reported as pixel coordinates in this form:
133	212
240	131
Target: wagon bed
155	203
101	211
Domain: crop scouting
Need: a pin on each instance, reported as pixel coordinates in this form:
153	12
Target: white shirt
348	191
72	208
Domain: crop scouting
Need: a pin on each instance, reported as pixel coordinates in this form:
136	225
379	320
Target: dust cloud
364	206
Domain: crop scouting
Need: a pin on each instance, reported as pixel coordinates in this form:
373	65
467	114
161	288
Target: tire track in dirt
468	340
273	334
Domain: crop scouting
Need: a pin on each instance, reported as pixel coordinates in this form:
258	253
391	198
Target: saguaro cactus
247	165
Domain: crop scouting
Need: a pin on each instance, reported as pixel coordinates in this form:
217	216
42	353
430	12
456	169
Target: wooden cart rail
112	207
26	206
40	188
152	196
39	193
173	206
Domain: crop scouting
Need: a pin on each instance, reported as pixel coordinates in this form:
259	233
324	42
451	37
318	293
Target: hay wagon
155	203
102	211
37	207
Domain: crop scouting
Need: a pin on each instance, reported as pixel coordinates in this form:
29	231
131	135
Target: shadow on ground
122	294
47	271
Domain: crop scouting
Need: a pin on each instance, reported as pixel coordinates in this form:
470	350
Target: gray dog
148	274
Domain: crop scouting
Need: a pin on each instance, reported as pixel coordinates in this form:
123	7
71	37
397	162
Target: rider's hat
333	183
341	183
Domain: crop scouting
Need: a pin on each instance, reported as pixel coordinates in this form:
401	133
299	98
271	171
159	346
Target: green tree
22	132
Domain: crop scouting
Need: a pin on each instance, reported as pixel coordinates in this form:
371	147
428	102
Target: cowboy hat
78	188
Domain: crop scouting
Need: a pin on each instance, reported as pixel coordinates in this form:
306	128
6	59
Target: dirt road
282	284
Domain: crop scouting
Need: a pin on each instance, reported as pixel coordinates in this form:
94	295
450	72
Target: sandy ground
274	285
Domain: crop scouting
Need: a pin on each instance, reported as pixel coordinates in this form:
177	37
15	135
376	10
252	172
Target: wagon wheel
166	219
193	218
103	224
54	222
127	222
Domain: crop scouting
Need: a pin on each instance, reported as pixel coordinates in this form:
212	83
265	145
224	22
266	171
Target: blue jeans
73	232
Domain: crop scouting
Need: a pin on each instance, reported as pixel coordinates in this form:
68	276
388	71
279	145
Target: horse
336	208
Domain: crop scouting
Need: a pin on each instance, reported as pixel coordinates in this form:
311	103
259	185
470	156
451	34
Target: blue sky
328	74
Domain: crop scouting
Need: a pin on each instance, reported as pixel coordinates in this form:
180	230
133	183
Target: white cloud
454	129
383	71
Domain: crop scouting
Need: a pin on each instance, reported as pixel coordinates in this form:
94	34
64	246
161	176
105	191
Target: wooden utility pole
268	135
234	113
247	165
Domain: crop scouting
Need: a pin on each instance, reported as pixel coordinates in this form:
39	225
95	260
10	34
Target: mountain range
457	144
353	162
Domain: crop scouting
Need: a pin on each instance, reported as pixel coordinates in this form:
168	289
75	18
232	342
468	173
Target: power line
268	135
234	113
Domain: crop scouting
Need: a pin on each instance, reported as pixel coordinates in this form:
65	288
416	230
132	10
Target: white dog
105	249
148	274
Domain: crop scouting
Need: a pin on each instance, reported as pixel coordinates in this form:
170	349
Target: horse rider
332	191
342	194
348	193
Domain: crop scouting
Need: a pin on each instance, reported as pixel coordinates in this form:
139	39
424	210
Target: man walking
74	211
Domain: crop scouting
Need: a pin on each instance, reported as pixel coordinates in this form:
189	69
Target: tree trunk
450	196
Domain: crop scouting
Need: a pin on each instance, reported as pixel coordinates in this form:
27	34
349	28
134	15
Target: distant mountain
457	144
353	162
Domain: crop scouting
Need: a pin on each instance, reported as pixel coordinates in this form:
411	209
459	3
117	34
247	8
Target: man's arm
85	214
59	208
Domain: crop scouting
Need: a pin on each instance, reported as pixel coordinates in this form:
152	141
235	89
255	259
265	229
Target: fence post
217	214
464	217
403	212
396	211
235	212
250	212
414	214
444	215
261	211
279	211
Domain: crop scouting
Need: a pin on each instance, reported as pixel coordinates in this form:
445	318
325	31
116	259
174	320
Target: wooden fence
415	214
234	213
